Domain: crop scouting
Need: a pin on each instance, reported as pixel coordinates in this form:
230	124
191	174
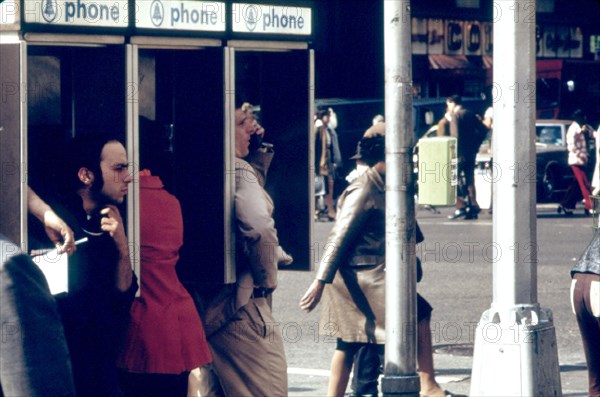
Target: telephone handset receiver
92	225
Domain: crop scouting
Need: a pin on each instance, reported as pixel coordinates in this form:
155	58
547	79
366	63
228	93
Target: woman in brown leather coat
354	265
354	304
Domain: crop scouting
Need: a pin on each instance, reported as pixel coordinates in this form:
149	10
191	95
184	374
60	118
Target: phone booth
62	75
179	108
273	70
165	76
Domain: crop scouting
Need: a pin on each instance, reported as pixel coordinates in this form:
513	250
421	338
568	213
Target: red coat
165	335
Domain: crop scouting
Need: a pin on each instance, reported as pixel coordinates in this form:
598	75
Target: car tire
549	183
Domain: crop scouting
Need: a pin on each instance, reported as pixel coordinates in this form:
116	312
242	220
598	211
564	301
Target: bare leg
429	386
341	364
460	203
203	382
329	197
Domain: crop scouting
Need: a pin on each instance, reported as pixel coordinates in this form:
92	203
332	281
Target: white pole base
516	354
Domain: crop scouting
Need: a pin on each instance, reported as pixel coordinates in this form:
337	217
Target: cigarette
45	251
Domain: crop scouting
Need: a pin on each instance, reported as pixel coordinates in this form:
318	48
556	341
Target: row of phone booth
167	79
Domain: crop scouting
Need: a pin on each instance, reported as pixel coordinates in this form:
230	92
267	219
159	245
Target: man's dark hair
456	99
84	151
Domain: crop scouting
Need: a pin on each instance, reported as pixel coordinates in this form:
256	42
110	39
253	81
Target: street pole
400	376
515	341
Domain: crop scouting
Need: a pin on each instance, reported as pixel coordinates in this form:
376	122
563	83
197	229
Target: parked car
553	173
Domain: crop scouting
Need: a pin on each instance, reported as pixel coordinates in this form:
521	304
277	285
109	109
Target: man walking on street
466	127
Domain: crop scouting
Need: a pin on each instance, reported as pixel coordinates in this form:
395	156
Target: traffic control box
437	171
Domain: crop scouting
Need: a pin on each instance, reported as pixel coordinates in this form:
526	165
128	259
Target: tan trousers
248	354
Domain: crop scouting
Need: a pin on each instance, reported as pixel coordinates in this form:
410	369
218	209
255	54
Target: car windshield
549	135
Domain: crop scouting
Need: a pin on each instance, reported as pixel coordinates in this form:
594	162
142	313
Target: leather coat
353	306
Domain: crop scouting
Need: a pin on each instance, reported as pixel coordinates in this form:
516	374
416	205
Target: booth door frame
279	46
13	140
183	44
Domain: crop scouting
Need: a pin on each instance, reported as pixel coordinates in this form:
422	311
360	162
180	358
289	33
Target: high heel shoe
562	209
459	213
591	212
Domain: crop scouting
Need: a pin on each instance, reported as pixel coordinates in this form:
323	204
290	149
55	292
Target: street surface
457	282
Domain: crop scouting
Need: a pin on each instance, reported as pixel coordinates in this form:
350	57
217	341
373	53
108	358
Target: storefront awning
487	61
441	61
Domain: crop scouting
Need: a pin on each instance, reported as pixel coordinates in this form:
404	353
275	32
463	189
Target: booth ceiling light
73	40
176	47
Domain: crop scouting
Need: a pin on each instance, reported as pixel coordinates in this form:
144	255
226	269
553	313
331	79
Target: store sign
435	28
560	41
419	36
454	37
549	43
595	44
539	40
271	19
488	38
181	15
575	43
87	13
473	38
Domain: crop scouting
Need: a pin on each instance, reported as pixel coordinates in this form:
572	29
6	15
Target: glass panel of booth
276	81
180	123
13	138
73	90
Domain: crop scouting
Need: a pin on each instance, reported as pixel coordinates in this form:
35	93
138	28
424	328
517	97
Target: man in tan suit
245	340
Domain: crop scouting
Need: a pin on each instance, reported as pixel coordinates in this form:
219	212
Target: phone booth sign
96	13
271	19
181	15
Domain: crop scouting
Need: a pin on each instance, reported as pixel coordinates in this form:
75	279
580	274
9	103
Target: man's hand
112	223
312	297
59	232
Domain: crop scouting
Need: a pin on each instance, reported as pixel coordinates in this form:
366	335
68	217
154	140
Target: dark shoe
472	212
458	214
471	215
561	209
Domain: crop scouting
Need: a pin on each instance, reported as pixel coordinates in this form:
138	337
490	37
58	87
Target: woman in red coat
165	339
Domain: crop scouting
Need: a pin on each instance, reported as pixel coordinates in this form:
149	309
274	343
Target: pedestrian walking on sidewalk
585	300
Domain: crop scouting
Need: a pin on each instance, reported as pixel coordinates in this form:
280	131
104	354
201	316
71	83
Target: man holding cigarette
102	284
34	359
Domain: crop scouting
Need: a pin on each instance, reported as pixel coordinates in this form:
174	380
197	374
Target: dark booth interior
278	82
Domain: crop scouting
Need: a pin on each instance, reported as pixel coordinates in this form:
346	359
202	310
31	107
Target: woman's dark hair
372	149
579	116
320	113
456	99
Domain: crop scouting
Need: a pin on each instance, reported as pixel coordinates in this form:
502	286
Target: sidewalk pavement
454	374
